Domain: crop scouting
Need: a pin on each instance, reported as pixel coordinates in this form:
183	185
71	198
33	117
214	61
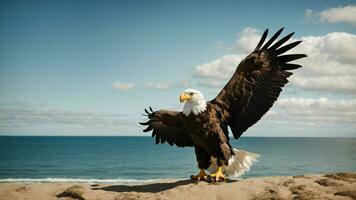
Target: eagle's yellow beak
184	97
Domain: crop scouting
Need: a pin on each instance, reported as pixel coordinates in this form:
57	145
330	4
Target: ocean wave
84	180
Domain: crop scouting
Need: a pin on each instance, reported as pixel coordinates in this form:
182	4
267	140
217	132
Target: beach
321	186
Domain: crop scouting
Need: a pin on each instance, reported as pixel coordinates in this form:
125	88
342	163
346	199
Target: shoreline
87	181
321	186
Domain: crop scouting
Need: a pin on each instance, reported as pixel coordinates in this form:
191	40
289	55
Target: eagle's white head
194	102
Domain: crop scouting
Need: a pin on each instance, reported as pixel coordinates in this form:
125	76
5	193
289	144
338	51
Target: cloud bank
346	14
330	65
36	119
317	110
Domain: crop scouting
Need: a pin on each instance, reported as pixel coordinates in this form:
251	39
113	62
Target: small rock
74	191
326	182
95	185
271	191
23	188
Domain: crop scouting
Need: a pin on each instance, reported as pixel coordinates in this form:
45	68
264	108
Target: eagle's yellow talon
218	175
202	176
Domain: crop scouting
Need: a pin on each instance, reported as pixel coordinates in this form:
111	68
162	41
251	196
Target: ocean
130	160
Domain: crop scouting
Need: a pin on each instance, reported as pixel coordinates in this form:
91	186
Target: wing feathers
282	41
262	40
290	66
145	123
166	126
149	128
287	47
291	57
257	82
273	38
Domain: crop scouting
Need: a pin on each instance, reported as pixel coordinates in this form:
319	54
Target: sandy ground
329	186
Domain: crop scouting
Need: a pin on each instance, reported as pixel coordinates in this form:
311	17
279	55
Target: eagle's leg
203	159
218	175
201	176
221	161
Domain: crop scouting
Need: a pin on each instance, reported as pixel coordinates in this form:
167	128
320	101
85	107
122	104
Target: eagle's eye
191	93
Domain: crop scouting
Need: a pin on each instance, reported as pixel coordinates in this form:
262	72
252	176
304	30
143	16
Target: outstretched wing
167	126
256	83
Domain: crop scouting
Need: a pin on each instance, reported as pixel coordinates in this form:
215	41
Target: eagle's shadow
152	187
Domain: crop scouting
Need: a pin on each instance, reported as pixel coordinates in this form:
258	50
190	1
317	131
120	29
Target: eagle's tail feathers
239	163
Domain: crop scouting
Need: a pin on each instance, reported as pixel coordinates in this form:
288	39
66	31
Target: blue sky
90	67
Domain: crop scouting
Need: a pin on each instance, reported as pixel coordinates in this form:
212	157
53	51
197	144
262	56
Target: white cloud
341	14
346	14
344	84
330	65
220	68
123	86
309	117
223	68
168	85
317	110
247	40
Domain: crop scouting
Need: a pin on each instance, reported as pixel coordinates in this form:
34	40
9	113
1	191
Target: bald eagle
248	95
